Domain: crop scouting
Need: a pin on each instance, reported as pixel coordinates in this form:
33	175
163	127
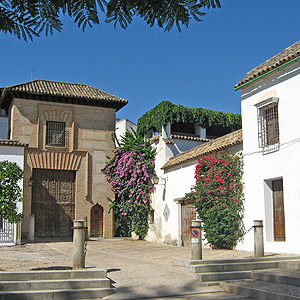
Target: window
56	134
268	126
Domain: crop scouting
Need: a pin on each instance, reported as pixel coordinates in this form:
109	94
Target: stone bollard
31	228
78	242
258	238
196	253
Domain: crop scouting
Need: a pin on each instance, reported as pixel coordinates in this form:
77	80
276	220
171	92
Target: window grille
56	134
7	232
268	125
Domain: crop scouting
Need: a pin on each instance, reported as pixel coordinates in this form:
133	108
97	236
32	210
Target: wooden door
188	214
53	202
97	220
278	210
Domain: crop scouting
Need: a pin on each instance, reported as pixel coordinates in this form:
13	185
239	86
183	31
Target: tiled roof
220	143
188	137
155	138
283	57
65	90
11	143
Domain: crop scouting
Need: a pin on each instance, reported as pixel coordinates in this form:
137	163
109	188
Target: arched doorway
97	220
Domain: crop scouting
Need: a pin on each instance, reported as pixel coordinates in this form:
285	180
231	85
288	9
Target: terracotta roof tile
281	58
188	137
11	143
64	89
220	143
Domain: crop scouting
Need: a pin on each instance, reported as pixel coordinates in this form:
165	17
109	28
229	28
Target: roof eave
237	87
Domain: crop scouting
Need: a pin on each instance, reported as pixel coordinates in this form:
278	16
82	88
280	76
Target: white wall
173	185
259	168
13	154
122	126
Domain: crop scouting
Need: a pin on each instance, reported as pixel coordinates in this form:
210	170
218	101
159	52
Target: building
271	123
122	126
68	129
186	135
172	218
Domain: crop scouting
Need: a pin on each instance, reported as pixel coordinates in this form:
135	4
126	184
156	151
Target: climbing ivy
168	112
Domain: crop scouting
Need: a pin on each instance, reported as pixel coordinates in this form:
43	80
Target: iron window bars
56	134
268	126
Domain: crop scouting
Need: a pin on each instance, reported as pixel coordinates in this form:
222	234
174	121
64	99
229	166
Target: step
290	265
262	290
188	263
276	278
230	267
56	294
63	284
221	276
52	275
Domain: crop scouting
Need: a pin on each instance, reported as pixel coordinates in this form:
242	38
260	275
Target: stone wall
89	131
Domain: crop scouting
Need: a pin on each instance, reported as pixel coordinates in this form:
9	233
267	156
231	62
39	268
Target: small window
268	125
56	134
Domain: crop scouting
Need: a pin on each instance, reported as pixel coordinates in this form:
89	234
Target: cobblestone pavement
135	267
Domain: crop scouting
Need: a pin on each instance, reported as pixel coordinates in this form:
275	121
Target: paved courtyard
137	269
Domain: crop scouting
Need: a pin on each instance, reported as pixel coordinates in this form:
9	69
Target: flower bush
128	173
218	198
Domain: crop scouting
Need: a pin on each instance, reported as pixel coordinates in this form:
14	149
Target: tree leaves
28	18
167	112
10	191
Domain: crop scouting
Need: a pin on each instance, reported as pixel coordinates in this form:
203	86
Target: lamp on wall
155	180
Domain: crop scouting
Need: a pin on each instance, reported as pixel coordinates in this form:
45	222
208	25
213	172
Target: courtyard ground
137	269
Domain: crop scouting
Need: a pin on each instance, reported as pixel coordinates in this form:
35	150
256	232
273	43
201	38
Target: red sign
195	233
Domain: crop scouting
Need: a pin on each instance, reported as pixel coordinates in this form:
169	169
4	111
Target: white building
271	126
12	151
175	168
122	126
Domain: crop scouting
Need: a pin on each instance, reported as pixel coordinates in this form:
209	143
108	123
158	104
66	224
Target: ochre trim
55	160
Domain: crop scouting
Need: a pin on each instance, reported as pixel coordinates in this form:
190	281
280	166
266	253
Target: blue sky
196	68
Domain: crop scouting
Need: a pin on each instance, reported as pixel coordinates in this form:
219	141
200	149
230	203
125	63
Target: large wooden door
188	214
53	202
97	220
278	210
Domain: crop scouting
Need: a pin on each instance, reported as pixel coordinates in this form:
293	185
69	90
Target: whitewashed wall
173	185
13	154
285	163
122	126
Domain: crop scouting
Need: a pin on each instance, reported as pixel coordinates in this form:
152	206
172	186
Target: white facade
283	162
122	126
12	153
174	183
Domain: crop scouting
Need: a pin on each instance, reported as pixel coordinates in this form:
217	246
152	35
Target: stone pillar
258	238
18	238
31	228
78	242
196	253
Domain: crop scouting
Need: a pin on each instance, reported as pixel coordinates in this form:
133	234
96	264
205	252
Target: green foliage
28	18
218	198
10	192
167	112
128	173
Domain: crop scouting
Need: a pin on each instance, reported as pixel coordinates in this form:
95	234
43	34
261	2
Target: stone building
68	129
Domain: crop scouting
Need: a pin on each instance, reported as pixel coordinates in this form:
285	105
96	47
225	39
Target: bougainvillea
218	198
128	173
